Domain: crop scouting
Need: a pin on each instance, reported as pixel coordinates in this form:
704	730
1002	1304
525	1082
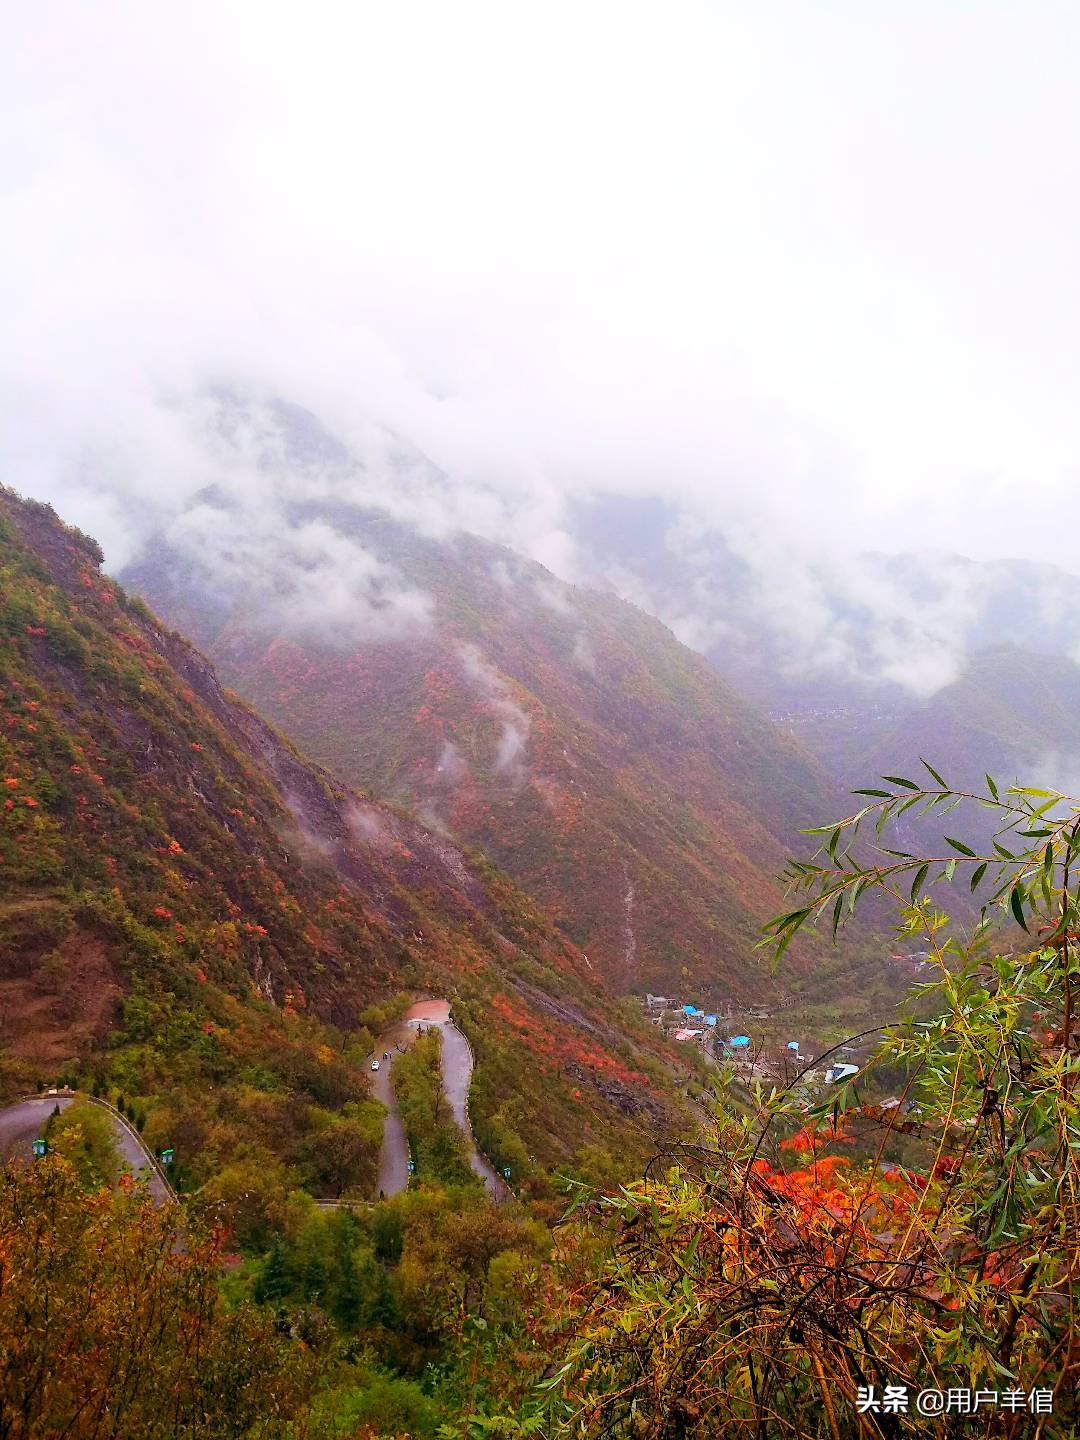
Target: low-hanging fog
798	280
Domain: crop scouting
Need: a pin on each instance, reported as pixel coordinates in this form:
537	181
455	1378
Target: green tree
314	1280
83	1134
436	1141
273	1283
349	1290
344	1155
248	1197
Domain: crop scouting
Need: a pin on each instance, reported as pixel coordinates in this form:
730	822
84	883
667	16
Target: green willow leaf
927	766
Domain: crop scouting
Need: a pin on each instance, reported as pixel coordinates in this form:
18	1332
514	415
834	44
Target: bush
763	1281
118	1307
84	1135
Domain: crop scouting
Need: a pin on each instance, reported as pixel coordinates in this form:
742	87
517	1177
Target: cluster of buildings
719	1036
688	1023
697	1023
684	1022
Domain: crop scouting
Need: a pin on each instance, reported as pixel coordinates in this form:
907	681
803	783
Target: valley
638	799
249	915
217	949
539	721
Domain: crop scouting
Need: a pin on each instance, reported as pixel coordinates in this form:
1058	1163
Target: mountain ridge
234	912
564	731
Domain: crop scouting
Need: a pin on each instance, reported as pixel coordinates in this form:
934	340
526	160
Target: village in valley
752	1039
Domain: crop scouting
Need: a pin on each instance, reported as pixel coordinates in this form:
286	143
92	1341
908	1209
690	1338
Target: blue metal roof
739	1040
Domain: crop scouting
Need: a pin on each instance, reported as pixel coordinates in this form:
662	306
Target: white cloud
451	767
808	273
513	738
301	578
369	826
584	655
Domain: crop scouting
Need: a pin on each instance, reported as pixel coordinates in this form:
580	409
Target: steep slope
1011	712
569	735
192	913
869	663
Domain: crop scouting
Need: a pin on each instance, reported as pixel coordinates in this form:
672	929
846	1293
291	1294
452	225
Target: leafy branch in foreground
1030	881
112	1324
829	1243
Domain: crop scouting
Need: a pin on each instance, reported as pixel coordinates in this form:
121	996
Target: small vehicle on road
374	1064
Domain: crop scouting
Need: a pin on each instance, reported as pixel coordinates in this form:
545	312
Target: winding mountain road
457	1068
23	1122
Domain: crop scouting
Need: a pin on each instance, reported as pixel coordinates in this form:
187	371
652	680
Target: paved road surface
457	1067
457	1064
394	1160
22	1123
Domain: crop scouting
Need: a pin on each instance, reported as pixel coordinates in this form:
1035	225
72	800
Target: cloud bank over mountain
754	265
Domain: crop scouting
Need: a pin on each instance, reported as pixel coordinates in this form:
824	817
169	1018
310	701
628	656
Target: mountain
605	766
870	663
1011	712
290	557
812	635
195	915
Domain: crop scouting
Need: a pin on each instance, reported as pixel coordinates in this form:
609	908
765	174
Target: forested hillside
1011	711
194	916
569	735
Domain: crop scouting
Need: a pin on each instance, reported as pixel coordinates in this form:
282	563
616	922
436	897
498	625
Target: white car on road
374	1064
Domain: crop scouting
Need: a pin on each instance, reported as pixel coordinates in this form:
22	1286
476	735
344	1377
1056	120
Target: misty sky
804	268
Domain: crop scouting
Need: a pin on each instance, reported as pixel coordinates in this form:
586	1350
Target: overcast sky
811	263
